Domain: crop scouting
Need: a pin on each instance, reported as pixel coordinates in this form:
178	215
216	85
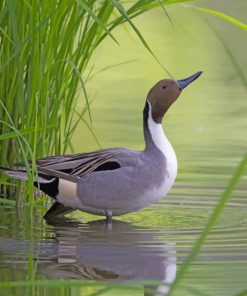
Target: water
207	128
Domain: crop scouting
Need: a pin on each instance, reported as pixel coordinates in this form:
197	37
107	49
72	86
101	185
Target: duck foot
108	215
57	210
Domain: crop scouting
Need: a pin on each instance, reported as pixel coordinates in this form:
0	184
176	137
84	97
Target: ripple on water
132	248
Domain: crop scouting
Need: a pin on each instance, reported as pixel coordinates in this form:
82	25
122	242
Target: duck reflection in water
118	252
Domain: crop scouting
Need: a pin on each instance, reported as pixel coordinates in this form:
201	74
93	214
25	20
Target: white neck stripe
162	143
157	133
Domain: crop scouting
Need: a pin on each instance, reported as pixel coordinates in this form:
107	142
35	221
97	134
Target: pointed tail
22	175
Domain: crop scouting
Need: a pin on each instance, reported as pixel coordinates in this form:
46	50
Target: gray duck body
126	189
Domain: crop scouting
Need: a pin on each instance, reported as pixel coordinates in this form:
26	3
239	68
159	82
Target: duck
115	181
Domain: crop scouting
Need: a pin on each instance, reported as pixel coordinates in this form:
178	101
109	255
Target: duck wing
71	167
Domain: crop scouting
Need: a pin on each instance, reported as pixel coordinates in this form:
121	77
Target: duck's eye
164	86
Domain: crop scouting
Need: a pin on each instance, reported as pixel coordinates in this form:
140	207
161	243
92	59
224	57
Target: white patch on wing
43	180
67	194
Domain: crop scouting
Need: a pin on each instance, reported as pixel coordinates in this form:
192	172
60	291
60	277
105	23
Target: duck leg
108	215
57	210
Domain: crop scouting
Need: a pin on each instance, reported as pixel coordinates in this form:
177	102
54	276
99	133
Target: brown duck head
164	93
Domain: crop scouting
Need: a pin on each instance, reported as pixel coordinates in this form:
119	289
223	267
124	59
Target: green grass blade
83	87
165	11
122	11
6	35
17	46
90	77
3	182
17	50
220	15
97	20
242	293
233	60
5	201
25	131
90	129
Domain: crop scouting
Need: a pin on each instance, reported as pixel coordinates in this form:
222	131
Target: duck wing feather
73	166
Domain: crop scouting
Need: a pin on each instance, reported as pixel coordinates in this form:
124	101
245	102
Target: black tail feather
48	184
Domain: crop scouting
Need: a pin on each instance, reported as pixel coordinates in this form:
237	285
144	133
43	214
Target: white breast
161	142
67	194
